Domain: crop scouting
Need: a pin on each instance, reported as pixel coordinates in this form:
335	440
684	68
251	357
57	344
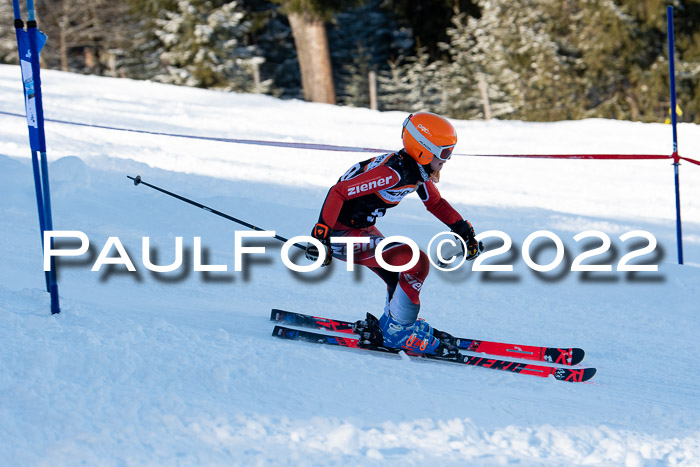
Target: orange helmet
426	135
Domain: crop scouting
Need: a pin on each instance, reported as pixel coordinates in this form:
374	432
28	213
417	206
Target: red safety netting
588	156
692	161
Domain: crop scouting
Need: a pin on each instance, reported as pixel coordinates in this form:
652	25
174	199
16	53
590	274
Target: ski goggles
441	152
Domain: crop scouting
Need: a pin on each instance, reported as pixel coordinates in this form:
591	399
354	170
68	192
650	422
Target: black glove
465	230
323	233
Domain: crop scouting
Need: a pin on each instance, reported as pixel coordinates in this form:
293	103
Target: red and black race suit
369	188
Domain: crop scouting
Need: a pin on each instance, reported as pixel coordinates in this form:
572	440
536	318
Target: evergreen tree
364	39
477	72
413	85
428	20
354	82
650	92
272	35
392	87
201	42
598	31
517	50
543	60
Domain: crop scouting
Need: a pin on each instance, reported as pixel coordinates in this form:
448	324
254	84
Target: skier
364	193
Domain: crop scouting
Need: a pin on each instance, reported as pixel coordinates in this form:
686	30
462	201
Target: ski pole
137	181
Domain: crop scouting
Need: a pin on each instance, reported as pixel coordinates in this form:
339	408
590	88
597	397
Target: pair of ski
562	356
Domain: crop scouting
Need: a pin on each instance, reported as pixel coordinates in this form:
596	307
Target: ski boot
371	335
416	337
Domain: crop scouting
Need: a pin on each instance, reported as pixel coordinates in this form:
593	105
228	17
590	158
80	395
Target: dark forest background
536	60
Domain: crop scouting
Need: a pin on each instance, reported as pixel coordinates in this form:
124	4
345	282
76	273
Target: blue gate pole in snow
674	121
29	44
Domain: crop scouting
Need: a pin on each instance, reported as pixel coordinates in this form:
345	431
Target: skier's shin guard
401	308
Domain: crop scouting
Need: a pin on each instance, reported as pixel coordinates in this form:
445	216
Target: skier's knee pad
402	254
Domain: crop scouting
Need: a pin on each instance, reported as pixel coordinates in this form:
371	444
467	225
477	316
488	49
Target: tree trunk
63	48
63	25
372	90
314	57
484	90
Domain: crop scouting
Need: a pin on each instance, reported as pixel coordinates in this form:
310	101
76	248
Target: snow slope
180	368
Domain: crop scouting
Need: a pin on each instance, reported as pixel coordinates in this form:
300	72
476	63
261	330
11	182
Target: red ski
560	355
562	374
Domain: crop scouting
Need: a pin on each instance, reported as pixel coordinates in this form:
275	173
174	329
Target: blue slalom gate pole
29	44
29	93
674	122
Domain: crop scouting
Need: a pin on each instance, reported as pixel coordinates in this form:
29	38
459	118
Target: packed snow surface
180	368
